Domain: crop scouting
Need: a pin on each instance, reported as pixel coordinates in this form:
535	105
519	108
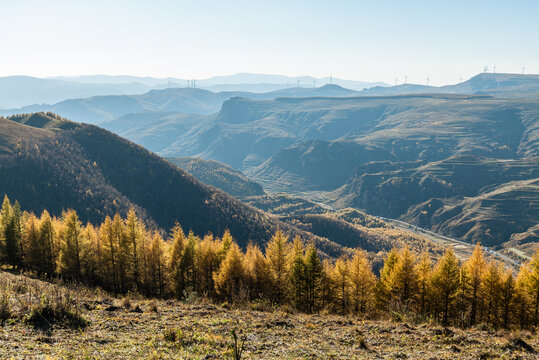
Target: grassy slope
202	331
11	133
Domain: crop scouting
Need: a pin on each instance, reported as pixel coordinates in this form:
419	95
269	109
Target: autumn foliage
122	255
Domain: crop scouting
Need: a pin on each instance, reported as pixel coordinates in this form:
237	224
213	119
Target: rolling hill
221	176
98	173
99	109
19	91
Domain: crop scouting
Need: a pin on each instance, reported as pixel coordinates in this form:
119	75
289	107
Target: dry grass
204	331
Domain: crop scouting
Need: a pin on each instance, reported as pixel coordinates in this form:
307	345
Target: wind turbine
485	68
428	81
396	81
314	83
523	68
494	71
406	79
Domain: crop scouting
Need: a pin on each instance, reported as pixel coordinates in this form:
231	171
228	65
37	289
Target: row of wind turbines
192	83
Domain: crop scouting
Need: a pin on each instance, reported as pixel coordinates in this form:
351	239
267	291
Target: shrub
5	308
60	311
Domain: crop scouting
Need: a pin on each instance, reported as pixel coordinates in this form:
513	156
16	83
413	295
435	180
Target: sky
357	40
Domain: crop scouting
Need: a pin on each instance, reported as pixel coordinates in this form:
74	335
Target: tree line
122	255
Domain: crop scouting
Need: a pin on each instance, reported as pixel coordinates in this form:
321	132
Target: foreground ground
124	329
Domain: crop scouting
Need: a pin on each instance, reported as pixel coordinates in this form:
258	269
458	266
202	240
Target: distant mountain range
120	96
248	82
20	91
99	109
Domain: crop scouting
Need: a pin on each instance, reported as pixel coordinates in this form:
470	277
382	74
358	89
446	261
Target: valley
473	181
242	180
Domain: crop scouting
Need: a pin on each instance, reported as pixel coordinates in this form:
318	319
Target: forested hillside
98	173
122	255
219	175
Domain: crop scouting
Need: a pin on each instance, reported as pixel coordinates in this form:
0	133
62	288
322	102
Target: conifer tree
491	292
362	282
257	271
124	252
383	286
110	252
11	233
341	281
276	253
230	277
326	284
423	271
156	265
507	296
134	239
445	283
35	252
47	236
91	257
463	296
176	251
207	262
297	274
523	297
184	278
70	264
17	243
475	267
403	280
226	242
313	278
534	286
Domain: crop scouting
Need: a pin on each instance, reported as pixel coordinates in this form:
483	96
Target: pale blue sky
357	40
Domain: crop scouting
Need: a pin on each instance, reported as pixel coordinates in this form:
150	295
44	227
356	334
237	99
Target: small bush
362	343
5	308
172	334
61	312
126	303
152	306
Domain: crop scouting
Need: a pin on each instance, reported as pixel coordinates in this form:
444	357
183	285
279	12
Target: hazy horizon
358	41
